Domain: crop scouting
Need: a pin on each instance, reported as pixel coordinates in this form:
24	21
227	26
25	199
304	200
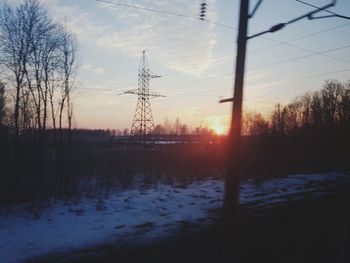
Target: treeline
179	128
309	134
38	64
169	127
326	109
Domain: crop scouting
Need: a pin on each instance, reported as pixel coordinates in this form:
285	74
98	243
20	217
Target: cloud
268	84
193	111
79	21
95	70
179	43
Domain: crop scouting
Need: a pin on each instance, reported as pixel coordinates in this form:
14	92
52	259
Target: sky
196	58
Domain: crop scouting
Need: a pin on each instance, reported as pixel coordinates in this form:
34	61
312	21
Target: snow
261	194
139	214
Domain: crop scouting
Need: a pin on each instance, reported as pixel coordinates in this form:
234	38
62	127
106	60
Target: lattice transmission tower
142	128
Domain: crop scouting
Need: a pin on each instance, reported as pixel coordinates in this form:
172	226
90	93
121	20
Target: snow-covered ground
140	214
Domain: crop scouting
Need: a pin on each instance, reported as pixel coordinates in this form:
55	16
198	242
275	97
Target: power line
330	12
303	77
319	74
199	80
262	66
165	12
300	57
262	88
312	51
310	15
287	43
298	38
231	74
105	89
195	95
261	96
231	27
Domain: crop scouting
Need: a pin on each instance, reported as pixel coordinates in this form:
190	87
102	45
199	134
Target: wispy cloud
79	21
181	44
268	84
92	69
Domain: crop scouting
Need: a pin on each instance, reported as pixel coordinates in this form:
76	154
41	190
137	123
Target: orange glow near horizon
219	124
219	130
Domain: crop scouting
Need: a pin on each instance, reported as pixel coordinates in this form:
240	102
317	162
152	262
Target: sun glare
219	130
218	124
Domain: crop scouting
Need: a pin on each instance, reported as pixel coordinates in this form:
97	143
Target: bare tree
254	124
306	109
49	63
259	125
15	24
278	119
68	68
42	35
40	56
331	93
293	117
344	107
2	103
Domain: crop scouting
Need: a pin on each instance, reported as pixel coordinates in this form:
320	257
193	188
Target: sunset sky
196	58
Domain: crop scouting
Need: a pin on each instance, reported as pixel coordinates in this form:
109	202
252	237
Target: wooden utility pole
232	176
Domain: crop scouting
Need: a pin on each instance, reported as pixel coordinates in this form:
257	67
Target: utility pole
233	172
231	198
232	177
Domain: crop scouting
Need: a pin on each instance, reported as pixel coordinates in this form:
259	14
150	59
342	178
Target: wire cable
298	38
231	27
323	53
262	95
300	57
165	12
330	12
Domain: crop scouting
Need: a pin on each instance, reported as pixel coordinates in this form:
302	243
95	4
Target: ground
299	218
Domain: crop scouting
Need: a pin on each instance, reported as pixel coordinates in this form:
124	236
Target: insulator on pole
203	10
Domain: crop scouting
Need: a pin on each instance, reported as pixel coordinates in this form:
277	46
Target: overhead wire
231	74
165	12
287	43
325	10
250	98
300	57
262	66
214	22
279	43
232	27
286	80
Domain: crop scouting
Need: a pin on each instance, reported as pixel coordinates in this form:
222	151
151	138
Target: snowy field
141	215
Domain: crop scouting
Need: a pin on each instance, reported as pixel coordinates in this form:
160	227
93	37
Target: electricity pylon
142	128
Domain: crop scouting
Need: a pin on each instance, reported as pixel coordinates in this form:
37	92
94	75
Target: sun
219	130
218	124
